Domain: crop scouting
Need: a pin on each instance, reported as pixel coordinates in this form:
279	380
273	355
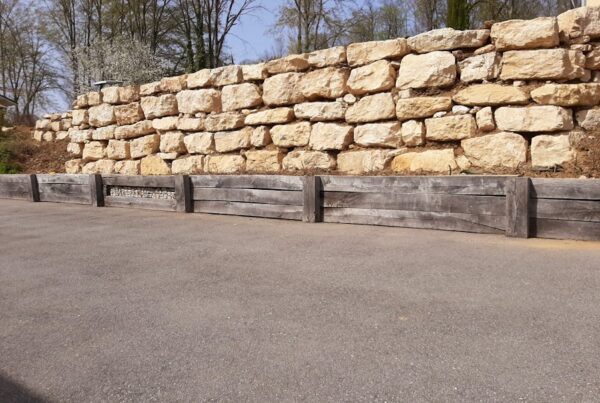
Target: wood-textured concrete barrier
514	206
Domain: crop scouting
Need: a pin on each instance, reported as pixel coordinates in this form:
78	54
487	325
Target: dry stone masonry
518	95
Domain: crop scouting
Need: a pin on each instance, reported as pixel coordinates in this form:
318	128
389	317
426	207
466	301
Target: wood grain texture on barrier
249	209
141	203
16	187
517	207
96	190
183	194
139	181
270	182
313	199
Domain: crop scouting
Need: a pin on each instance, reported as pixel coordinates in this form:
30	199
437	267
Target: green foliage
10	147
458	14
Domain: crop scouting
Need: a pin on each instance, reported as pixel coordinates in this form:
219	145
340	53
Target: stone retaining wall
522	94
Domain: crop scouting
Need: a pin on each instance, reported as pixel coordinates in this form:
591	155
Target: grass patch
14	145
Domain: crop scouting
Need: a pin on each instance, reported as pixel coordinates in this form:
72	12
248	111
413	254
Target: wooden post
517	207
183	194
34	191
96	190
313	206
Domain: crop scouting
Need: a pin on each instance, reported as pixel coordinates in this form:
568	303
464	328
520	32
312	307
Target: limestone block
135	130
534	118
378	135
199	79
44	124
226	75
327	57
288	64
291	135
190	124
436	161
579	22
173	84
308	160
421	107
567	94
199	143
282	89
128	94
118	150
194	101
225	164
233	141
484	67
375	77
80	136
450	128
101	115
104	133
48	136
329	83
38	135
165	124
330	136
548	151
525	34
254	72
127	167
154	165
367	52
143	146
81	101
359	162
435	69
491	94
448	39
190	165
504	149
260	136
75	149
94	98
62	135
105	167
157	107
592	59
270	116
372	108
546	64
413	133
167	156
224	121
485	119
320	111
128	114
93	151
589	119
240	96
150	89
263	161
172	142
73	166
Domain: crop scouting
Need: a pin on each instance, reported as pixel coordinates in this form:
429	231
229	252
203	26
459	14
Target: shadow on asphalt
13	392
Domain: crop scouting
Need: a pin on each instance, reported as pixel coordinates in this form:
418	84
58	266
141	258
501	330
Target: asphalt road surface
100	304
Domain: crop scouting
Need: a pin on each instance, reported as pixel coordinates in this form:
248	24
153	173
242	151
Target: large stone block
372	108
194	101
450	128
165	124
80	136
483	67
135	130
261	136
360	162
93	151
378	135
110	95
173	84
104	167
375	77
579	22
485	119
129	114
548	151
190	165
328	83
435	161
448	39
270	116
327	57
157	107
80	117
154	165
190	124
73	166
254	72
143	146
150	89
491	94
534	119
226	75
589	119
308	160
291	135
104	133
102	115
240	96
545	64
94	98
225	164
504	149
127	167
435	69
263	161
320	111
413	133
118	150
75	149
282	89
199	79
525	34
200	143
421	107
567	94
172	142
288	64
330	136
129	94
224	121
367	52
233	141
